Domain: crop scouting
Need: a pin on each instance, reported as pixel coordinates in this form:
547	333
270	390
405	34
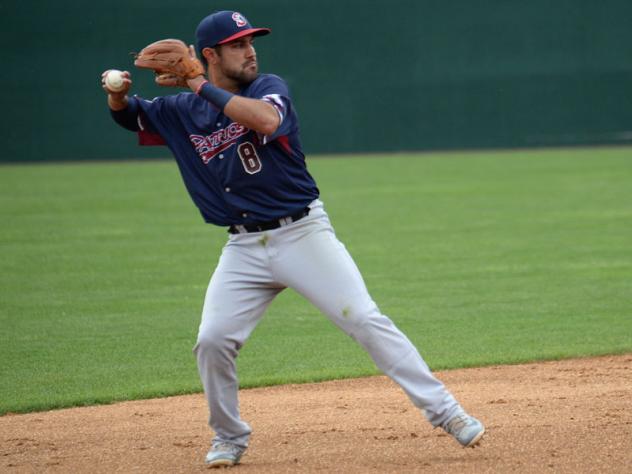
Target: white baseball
114	80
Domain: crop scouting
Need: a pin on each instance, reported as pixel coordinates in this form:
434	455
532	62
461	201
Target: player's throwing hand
116	84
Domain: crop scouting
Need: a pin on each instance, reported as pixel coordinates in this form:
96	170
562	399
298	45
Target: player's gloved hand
172	60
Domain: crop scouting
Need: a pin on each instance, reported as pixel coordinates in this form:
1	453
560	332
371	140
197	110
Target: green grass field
481	258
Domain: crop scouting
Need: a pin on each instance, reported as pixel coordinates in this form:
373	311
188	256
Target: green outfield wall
365	75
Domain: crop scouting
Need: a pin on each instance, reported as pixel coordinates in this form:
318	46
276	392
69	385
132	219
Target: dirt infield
570	416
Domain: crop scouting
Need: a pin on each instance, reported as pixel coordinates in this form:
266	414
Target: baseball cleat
224	455
466	429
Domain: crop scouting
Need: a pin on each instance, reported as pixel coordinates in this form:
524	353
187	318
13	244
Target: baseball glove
173	62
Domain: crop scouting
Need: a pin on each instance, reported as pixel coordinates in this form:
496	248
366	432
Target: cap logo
239	19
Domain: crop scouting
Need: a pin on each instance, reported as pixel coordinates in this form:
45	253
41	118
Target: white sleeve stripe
277	102
274	98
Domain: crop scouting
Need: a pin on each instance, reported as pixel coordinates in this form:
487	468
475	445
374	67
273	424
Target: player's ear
210	55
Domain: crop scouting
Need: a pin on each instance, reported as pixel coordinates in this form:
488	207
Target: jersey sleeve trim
276	100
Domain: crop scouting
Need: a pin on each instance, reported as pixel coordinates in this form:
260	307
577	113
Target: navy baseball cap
222	27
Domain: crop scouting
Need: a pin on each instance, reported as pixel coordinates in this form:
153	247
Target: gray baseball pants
305	256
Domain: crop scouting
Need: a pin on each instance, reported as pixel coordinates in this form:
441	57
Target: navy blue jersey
233	174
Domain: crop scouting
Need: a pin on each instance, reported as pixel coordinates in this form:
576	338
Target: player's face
238	60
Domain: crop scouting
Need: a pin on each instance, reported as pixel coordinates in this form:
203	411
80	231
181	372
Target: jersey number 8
249	158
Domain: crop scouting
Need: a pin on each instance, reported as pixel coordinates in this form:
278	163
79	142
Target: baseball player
235	138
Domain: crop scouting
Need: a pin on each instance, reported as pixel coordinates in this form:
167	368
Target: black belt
270	225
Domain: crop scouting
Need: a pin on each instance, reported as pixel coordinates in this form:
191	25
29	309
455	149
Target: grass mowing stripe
481	258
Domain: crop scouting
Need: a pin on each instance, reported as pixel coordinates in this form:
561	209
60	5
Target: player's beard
243	75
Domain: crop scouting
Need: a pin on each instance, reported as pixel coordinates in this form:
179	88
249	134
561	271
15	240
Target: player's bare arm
255	114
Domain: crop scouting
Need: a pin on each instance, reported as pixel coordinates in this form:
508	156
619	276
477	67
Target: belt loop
285	221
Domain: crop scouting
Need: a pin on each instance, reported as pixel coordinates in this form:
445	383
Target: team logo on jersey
209	146
239	19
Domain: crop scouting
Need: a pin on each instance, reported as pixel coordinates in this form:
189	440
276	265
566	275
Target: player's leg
237	295
318	266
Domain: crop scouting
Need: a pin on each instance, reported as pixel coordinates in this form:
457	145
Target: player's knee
214	345
361	318
373	329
